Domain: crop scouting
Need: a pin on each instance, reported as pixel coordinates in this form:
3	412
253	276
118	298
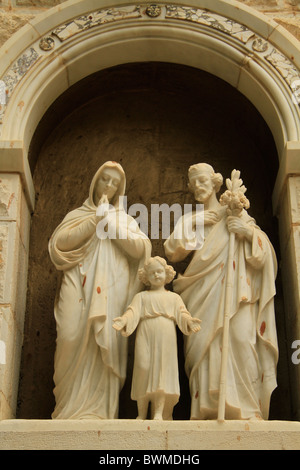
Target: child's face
156	275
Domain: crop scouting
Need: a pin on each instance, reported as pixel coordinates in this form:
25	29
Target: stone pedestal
159	436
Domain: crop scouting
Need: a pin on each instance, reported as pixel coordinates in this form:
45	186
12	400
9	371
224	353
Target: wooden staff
235	200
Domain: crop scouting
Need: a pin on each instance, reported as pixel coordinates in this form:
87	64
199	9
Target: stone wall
284	12
16	13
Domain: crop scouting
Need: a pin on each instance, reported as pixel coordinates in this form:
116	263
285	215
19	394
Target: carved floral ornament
243	36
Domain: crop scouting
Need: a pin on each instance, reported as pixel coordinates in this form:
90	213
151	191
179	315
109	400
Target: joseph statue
253	351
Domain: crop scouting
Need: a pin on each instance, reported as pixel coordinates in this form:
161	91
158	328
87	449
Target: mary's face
107	183
202	186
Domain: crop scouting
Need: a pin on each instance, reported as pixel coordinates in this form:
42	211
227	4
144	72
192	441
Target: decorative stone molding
263	50
17	71
153	11
212	20
96	18
47	44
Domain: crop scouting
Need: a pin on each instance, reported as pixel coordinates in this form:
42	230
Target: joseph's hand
239	227
211	217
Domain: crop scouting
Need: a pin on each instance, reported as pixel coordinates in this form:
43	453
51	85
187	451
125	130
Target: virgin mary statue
99	281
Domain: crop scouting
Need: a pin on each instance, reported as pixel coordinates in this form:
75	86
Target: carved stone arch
69	42
225	38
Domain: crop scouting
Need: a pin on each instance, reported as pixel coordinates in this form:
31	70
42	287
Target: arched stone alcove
156	119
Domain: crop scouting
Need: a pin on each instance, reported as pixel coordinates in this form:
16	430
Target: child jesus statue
156	312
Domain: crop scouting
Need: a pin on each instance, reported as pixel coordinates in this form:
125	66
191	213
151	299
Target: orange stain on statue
262	328
259	243
99	290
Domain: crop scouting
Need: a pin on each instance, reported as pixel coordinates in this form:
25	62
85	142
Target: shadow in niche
156	119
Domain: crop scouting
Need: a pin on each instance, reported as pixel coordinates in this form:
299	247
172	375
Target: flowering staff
235	200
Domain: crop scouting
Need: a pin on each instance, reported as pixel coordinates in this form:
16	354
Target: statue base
132	435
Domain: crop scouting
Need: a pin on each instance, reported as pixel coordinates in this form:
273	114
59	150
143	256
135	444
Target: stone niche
156	119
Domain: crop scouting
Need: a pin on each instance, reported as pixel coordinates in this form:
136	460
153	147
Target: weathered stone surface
291	24
12	21
273	5
16	13
146	435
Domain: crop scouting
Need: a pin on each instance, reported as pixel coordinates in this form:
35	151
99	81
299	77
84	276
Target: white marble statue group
223	304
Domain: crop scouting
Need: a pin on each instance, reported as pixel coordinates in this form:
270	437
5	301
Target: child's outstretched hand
119	323
194	324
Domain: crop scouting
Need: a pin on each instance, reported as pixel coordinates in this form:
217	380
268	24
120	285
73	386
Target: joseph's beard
200	196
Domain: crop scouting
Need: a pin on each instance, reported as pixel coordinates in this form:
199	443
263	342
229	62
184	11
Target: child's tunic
155	360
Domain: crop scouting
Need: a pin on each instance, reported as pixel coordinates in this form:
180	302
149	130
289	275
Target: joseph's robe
253	351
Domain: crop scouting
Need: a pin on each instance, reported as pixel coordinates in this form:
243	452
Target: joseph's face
202	186
107	183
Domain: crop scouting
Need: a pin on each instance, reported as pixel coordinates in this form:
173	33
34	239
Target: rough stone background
15	13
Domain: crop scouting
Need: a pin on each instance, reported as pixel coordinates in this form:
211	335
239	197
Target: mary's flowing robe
99	281
253	351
